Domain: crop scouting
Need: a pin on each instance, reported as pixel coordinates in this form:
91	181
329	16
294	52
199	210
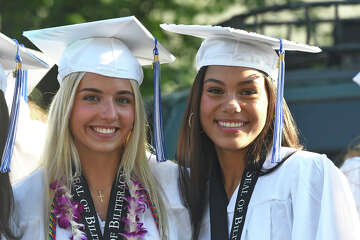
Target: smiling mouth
104	130
229	124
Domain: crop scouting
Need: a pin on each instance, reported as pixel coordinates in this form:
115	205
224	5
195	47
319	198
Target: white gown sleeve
166	173
323	206
351	170
29	206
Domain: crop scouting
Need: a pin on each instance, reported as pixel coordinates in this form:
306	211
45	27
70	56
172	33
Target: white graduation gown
351	169
29	143
305	198
29	206
166	173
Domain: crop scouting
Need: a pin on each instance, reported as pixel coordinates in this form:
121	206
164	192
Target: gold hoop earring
127	138
190	117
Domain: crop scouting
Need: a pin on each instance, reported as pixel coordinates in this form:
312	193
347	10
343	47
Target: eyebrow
95	90
248	80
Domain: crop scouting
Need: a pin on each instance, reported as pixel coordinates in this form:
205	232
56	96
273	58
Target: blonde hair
61	160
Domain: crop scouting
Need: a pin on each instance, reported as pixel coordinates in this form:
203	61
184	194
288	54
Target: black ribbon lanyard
246	189
219	202
114	225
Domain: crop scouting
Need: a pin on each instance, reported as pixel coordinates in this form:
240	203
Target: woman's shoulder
29	202
306	160
351	164
309	170
29	193
32	183
167	170
166	174
303	166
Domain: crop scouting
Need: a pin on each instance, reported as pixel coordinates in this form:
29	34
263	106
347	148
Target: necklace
100	195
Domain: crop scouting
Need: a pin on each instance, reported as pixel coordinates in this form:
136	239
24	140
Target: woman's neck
232	164
99	170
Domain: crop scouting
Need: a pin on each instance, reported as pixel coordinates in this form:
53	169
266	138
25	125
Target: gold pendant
100	195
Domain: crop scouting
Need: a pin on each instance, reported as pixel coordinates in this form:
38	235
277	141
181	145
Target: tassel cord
157	116
277	138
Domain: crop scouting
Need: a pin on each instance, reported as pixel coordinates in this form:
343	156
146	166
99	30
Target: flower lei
67	212
137	203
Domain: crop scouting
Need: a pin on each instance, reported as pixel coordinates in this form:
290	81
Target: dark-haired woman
242	184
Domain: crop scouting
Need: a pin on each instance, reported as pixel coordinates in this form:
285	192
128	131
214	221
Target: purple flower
77	209
137	203
55	184
63	221
67	211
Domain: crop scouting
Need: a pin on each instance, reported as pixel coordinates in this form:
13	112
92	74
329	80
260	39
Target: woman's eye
123	100
215	90
248	92
91	98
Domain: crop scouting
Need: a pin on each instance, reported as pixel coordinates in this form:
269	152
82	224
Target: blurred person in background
13	60
31	127
351	165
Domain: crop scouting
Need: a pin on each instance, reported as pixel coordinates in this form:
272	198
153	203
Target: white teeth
104	130
231	124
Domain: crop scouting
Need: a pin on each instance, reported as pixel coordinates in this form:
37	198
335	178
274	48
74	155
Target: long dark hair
6	194
196	151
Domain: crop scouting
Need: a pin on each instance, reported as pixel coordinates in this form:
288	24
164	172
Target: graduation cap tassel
21	77
279	107
25	86
157	118
24	92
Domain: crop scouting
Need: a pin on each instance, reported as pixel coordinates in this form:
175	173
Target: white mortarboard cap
30	59
34	76
357	78
114	47
234	47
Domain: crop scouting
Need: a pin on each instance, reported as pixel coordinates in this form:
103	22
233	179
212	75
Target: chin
104	148
233	146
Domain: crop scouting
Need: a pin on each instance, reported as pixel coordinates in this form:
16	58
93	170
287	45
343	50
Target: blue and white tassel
25	91
21	79
279	107
157	118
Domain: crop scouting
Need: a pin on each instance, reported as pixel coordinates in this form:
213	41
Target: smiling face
233	106
103	114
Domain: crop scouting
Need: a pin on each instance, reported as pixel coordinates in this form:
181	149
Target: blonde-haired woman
98	177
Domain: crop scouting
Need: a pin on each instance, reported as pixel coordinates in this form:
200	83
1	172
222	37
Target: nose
109	112
232	105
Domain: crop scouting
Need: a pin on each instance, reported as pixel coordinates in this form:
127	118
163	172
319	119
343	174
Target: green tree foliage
19	15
